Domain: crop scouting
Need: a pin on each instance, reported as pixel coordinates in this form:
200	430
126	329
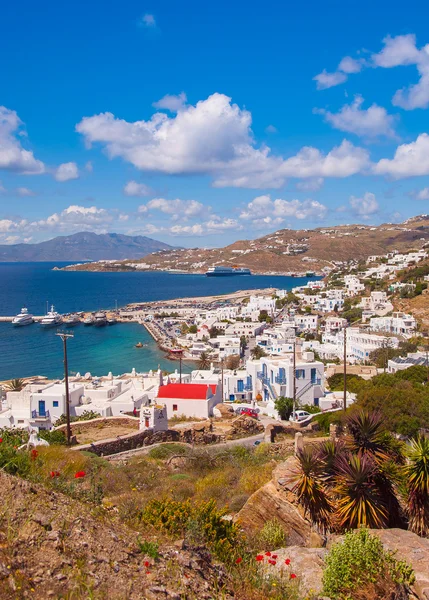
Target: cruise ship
24	318
225	271
51	319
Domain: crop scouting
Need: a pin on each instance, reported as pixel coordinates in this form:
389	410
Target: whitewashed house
399	324
189	399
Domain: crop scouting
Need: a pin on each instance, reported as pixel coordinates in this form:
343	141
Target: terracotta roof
185	391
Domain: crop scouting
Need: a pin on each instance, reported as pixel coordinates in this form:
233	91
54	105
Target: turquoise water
32	350
26	351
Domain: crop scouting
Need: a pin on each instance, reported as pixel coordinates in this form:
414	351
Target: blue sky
200	124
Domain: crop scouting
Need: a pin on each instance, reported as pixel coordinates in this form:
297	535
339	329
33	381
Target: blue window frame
55	403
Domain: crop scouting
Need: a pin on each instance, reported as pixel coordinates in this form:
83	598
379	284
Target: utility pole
294	378
64	337
221	381
345	370
180	368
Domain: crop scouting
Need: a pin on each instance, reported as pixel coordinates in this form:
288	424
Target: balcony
248	387
316	381
263	377
35	414
281	380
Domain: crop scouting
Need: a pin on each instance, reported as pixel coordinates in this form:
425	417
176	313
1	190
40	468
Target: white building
399	324
334	324
189	399
273	377
306	322
353	285
376	303
226	345
399	363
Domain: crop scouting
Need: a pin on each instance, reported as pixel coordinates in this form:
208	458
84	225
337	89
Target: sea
32	350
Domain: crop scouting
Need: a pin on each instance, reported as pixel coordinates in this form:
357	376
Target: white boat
51	319
89	320
100	319
24	318
111	321
71	320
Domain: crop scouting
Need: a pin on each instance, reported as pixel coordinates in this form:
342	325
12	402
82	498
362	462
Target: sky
202	123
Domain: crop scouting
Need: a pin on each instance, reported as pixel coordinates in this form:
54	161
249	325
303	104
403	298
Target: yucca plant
417	475
310	487
328	453
367	435
358	498
15	385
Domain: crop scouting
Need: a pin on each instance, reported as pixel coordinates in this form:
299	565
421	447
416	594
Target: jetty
10	319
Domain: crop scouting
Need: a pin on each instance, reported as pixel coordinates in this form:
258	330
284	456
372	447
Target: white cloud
264	210
423	194
24	191
310	185
327	80
350	65
365	206
397	51
178	209
2	188
13	156
270	129
410	160
196	229
11	239
67	171
132	188
171	102
371	123
178	145
89	166
148	20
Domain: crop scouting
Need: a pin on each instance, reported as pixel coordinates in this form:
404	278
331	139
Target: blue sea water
26	351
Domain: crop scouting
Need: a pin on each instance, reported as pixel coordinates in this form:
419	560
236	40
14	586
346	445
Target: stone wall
98	423
130	442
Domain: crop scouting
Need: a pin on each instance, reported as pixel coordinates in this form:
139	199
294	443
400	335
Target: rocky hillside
52	546
288	250
83	246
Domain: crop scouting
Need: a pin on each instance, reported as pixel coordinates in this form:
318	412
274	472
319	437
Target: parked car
249	412
300	415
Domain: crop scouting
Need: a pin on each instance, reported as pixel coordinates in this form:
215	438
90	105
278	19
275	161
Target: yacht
51	319
225	271
24	318
100	319
71	320
111	320
89	320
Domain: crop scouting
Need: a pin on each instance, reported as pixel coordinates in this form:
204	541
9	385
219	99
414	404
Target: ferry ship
24	318
225	271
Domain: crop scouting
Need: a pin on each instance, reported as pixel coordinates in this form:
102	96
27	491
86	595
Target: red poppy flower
79	474
287	561
34	454
146	563
267	553
238	560
272	562
1	439
147	572
54	474
274	555
292	576
260	557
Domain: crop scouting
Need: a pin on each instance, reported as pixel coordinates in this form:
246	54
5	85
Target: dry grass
101	432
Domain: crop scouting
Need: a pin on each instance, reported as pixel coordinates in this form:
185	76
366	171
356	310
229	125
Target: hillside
83	246
288	250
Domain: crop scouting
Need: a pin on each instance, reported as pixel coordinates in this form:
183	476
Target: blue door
42	408
313	376
231	397
240	385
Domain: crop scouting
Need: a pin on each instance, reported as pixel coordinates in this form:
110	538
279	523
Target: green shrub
202	521
164	451
148	548
53	437
272	536
359	565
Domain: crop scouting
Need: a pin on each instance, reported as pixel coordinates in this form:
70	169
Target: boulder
244	425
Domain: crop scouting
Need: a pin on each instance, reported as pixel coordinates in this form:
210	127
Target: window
240	385
55	403
174	407
300	373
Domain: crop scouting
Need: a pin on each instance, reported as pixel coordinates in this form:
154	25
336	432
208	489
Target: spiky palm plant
417	474
309	486
15	385
367	435
328	452
358	498
204	361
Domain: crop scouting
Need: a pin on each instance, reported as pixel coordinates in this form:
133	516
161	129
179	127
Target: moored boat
100	319
89	320
226	271
23	318
51	319
71	320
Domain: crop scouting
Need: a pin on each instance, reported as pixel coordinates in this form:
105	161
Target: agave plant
310	487
358	498
417	474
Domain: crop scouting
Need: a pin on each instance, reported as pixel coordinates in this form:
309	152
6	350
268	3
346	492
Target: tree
204	361
257	352
232	362
214	332
15	385
417	475
193	329
284	406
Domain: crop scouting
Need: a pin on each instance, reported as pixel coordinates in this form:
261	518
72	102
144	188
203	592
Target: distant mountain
83	246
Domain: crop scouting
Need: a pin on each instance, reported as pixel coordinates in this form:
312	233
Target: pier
10	319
